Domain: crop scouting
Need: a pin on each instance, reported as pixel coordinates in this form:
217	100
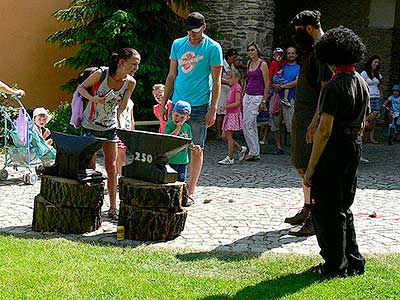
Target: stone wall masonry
242	22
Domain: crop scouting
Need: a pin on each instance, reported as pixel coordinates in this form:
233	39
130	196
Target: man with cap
313	76
195	75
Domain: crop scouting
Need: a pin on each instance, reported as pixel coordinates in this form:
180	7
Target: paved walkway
249	202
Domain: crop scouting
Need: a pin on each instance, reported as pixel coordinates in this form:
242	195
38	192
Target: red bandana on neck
344	69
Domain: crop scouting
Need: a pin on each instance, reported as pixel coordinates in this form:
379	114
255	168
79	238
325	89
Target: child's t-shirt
157	113
182	157
232	98
126	116
395	101
275	66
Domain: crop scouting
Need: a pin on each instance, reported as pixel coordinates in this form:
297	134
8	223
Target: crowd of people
324	103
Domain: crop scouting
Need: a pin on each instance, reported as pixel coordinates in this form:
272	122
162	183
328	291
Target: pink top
232	98
157	113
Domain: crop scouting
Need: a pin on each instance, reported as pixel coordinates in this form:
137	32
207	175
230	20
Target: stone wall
242	22
379	41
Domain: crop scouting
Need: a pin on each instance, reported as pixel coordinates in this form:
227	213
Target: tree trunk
66	206
151	212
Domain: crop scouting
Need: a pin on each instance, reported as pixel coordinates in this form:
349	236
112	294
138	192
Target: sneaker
306	230
262	143
242	153
363	160
226	161
285	102
298	218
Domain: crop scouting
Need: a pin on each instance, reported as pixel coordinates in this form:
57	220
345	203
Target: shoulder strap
95	88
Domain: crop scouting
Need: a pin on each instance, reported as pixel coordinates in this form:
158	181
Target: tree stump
67	206
151	212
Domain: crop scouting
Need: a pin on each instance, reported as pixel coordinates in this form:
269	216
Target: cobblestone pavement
249	202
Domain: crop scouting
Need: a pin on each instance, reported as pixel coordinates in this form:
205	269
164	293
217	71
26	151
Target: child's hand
46	133
223	107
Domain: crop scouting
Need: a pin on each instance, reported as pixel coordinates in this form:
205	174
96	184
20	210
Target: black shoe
306	230
298	218
322	271
355	271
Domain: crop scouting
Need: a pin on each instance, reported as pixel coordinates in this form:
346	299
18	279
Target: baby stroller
24	146
394	127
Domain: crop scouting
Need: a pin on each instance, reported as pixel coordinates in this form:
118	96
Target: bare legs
196	163
110	162
232	144
121	158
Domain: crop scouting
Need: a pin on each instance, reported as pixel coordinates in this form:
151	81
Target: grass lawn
61	269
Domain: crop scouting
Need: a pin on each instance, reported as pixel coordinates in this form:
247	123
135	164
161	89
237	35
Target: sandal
113	214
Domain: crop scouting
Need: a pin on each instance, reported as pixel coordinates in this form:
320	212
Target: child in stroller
392	104
24	144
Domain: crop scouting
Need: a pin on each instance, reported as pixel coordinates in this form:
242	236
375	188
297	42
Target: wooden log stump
151	212
66	206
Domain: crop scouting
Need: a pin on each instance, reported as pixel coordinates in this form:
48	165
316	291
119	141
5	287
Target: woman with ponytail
100	118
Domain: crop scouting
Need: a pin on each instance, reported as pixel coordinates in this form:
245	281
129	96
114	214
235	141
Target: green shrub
60	120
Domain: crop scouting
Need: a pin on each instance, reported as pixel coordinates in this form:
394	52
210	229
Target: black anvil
73	157
151	152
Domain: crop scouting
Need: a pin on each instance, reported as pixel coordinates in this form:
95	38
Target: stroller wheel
30	178
3	174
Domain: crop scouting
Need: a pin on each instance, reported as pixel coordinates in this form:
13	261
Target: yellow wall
26	58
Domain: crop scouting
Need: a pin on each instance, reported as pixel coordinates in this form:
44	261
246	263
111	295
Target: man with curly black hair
313	75
335	157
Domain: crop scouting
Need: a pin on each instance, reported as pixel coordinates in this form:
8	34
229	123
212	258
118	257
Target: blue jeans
182	171
197	122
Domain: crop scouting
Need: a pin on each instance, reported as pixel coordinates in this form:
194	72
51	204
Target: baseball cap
278	50
307	17
194	22
41	111
182	107
396	87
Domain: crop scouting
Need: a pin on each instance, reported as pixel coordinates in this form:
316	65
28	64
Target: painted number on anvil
143	157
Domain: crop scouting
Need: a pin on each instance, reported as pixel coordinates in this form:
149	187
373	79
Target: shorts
286	114
182	171
197	122
376	104
110	135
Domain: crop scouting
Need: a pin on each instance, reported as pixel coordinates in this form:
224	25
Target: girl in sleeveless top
103	109
254	99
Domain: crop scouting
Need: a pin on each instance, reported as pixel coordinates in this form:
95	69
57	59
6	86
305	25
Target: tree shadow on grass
272	289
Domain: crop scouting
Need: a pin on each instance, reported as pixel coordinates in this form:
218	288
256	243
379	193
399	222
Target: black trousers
332	193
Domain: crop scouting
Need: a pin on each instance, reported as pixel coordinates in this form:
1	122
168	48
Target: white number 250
143	157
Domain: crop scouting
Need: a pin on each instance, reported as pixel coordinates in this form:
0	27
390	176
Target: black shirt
345	98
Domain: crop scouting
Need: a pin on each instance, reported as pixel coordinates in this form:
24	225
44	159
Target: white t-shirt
372	84
126	116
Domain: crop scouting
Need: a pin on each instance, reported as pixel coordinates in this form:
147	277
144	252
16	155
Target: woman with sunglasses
254	99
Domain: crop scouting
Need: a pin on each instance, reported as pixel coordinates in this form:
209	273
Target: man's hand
164	112
210	117
307	177
312	128
196	148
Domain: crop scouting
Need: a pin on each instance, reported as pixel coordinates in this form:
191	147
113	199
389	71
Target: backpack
79	103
